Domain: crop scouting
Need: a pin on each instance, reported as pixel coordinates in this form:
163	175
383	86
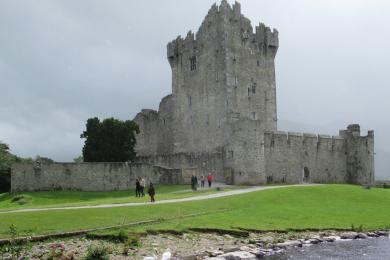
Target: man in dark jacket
151	192
137	188
194	182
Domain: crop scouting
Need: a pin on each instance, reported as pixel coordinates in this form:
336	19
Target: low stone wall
88	176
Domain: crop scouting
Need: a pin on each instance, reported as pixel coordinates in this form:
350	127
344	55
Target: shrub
16	248
132	242
21	199
97	252
113	236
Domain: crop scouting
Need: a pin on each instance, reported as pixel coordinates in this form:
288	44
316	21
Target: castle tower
360	167
224	73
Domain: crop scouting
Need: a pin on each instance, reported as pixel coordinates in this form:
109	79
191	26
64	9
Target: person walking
194	182
142	187
202	180
137	188
151	192
210	179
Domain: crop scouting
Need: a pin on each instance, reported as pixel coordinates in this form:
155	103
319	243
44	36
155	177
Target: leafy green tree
78	159
43	159
111	140
6	158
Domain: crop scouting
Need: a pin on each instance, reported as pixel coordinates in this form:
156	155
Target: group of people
140	188
140	185
194	181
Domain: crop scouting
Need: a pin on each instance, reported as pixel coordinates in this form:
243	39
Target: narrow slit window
254	88
253	115
193	63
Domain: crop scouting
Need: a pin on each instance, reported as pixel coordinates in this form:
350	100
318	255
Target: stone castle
222	114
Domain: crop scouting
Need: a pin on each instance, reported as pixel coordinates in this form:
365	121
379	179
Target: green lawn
78	198
326	206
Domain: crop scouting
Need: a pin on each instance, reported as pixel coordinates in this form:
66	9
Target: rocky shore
195	245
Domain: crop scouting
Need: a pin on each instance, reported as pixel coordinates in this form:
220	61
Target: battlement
223	22
353	130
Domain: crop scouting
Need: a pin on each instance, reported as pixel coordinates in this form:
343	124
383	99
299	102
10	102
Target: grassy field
326	206
76	198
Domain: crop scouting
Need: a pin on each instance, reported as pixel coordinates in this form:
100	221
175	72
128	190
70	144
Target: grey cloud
62	62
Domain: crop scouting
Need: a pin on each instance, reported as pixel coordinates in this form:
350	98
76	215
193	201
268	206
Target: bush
97	252
132	243
21	199
16	248
113	236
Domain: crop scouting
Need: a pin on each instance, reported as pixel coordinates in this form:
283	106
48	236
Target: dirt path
131	204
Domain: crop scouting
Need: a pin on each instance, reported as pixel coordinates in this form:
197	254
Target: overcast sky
64	61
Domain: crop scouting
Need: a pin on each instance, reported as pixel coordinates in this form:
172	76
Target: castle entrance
306	175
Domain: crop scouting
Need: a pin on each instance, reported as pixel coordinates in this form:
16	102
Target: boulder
289	244
331	238
231	249
382	233
372	234
190	257
238	255
266	240
314	241
214	253
362	236
348	235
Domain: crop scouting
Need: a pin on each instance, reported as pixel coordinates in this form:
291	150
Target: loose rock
348	235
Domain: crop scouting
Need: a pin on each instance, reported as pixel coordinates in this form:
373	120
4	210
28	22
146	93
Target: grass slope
78	198
326	206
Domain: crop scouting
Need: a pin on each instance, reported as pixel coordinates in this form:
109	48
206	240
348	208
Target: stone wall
325	159
288	154
88	176
244	156
204	162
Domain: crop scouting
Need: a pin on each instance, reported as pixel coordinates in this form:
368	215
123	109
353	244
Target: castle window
189	100
253	88
193	63
258	63
253	115
231	154
235	81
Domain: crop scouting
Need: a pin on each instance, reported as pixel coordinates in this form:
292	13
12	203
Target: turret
359	151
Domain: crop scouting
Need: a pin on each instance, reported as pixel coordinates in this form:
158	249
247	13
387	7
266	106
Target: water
367	249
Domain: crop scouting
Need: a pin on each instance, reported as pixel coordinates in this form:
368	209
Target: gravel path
196	198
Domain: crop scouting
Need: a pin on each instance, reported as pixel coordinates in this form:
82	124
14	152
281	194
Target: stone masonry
88	176
222	116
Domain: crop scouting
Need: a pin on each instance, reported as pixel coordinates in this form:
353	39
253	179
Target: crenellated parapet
221	24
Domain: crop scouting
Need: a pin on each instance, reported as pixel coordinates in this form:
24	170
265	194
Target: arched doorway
306	175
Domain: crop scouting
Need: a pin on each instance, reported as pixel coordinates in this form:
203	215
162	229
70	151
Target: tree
111	140
78	159
6	158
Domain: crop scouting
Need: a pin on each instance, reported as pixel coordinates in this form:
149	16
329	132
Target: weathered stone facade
223	109
88	176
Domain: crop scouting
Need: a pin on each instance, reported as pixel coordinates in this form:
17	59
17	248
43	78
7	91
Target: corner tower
223	73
